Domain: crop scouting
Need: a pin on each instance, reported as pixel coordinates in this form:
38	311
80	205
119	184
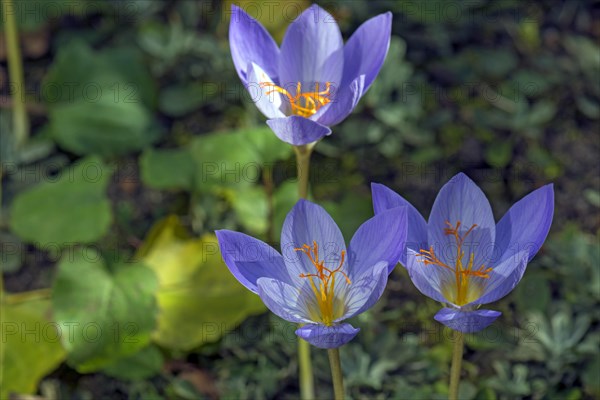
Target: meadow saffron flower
315	280
461	257
313	81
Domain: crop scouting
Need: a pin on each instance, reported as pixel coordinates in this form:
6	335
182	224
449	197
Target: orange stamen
462	275
325	280
302	104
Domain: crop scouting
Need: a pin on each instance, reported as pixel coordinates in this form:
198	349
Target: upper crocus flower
317	282
461	257
313	81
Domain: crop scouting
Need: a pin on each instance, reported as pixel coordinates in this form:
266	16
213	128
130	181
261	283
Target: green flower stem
1	221
336	373
307	384
303	168
267	175
15	71
457	355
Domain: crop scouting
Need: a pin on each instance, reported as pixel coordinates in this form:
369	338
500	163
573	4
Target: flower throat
463	290
325	281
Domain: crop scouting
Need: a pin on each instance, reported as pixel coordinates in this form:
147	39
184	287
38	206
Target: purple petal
526	224
466	321
298	130
366	50
343	101
364	292
250	42
381	238
312	51
327	337
283	300
249	259
268	102
427	278
384	199
307	223
504	277
460	200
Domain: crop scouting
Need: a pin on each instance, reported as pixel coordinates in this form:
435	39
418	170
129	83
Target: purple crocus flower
461	257
316	282
313	81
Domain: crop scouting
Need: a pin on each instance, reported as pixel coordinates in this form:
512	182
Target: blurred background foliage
144	142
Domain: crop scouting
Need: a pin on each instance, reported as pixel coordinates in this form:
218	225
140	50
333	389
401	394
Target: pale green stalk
457	355
15	72
307	384
336	373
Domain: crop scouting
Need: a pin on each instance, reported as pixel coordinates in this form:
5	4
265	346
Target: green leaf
74	208
99	102
167	169
108	314
350	213
142	365
534	282
30	347
104	127
235	158
224	159
79	73
179	100
199	299
284	198
267	146
251	208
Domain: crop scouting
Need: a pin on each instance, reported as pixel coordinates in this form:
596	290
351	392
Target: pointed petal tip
461	176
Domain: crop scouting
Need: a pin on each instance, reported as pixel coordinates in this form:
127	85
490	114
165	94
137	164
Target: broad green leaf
108	314
179	100
79	73
104	127
533	282
167	169
284	198
267	146
30	346
223	159
142	365
72	209
350	212
252	209
199	299
235	158
99	102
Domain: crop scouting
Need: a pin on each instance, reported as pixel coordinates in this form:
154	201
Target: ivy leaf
30	347
72	209
199	299
108	314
